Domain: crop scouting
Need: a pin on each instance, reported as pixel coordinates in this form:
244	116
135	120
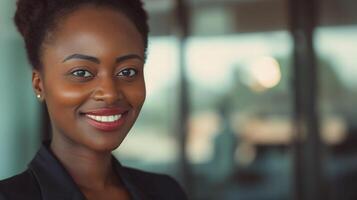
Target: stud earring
38	96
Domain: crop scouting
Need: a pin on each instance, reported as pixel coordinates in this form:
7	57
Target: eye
82	73
128	72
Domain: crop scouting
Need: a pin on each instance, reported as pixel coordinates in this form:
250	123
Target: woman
87	58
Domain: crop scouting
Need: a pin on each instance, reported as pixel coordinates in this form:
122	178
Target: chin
105	146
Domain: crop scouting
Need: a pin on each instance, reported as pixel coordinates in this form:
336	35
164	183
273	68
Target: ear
37	84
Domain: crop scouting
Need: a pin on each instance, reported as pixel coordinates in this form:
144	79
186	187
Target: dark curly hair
35	19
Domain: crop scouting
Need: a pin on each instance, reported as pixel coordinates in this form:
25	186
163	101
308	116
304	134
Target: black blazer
46	179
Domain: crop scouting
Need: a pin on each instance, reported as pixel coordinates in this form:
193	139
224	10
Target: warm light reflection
212	62
265	72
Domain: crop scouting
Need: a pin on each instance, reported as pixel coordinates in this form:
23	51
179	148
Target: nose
108	91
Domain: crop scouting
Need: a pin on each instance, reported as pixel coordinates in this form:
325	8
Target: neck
89	169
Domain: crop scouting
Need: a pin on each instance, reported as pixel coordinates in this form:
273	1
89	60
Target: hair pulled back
35	19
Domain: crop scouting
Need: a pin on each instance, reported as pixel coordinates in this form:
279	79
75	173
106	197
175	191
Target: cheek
62	95
135	94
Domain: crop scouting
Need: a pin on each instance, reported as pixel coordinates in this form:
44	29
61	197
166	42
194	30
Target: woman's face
92	79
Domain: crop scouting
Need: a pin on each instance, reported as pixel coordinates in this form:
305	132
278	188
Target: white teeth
105	119
110	118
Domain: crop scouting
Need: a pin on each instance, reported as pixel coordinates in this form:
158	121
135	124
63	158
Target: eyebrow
97	61
82	57
128	57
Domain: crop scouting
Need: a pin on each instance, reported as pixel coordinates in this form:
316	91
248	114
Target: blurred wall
19	111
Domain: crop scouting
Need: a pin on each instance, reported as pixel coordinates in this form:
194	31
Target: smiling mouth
106	119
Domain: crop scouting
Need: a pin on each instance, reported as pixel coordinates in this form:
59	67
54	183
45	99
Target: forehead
100	28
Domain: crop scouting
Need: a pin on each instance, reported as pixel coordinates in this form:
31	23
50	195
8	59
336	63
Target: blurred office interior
246	99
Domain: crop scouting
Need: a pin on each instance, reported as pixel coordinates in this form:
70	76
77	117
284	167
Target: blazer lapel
54	181
134	188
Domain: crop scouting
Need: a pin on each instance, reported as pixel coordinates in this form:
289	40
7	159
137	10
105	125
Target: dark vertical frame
183	31
308	174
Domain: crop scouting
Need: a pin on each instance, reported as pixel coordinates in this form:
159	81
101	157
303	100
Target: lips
106	119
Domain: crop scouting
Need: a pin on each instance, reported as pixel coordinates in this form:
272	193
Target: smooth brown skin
83	150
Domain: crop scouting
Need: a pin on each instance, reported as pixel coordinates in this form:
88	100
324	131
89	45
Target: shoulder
9	188
163	186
